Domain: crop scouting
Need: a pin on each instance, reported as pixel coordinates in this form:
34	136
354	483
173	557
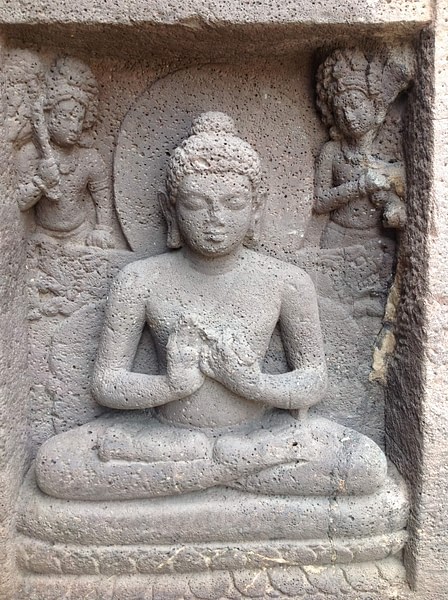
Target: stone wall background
417	422
14	384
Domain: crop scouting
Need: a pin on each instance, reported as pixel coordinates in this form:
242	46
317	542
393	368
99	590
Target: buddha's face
66	122
214	212
355	113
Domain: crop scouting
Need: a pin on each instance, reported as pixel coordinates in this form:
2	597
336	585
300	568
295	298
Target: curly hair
70	78
214	147
379	77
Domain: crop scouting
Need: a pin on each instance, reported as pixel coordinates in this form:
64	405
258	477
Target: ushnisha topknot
213	122
213	146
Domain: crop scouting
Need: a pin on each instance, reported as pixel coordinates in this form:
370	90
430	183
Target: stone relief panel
216	381
282	123
67	277
64	189
196	344
360	185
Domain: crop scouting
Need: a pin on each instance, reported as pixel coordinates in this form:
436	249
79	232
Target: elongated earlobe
173	239
253	234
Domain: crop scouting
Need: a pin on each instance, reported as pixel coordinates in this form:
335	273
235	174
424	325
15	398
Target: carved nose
215	213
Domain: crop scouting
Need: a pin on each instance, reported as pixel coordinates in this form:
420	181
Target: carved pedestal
219	543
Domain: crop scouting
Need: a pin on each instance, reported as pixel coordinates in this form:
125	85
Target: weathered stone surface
66	291
196	13
212	206
308	583
47	558
416	419
140	521
14	382
261	106
66	312
212	165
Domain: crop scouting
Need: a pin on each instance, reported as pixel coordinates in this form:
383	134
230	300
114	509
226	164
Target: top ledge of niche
197	13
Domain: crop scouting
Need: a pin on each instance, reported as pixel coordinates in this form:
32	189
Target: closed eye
192	202
236	202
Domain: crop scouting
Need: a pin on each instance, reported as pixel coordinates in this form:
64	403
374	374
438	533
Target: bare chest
249	309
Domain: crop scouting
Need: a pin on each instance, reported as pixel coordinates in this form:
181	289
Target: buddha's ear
169	212
253	235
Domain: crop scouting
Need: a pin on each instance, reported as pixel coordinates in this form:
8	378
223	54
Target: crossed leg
122	458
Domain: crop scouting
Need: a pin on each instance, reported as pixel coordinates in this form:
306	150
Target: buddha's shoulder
277	269
140	272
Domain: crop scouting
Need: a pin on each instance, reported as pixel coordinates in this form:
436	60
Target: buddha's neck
212	265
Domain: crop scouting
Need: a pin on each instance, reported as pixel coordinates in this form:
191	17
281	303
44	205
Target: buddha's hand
183	355
230	360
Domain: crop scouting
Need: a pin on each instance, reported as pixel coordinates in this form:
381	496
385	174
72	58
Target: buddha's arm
114	384
305	385
327	196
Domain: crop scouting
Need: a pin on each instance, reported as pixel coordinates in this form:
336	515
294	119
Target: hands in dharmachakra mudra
211	305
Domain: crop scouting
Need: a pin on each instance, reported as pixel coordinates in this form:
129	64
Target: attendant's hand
373	181
394	215
47	179
101	237
183	354
48	171
229	360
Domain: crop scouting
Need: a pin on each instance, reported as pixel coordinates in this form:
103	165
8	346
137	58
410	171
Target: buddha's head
213	200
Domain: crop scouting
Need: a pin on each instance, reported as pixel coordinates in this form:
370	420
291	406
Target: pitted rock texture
382	580
200	585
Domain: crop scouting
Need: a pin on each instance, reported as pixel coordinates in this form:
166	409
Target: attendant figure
58	173
362	191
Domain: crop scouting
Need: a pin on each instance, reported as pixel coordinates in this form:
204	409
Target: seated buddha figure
211	416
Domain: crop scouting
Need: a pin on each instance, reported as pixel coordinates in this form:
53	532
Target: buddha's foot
112	460
314	457
134	457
